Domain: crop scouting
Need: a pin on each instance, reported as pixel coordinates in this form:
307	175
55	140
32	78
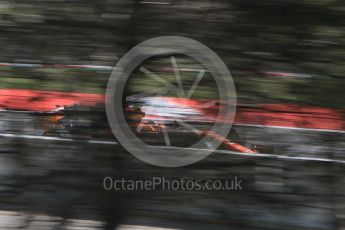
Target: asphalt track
49	180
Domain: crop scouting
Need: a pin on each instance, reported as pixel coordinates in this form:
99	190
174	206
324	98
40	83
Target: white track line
102	67
155	3
16	220
291	128
29	220
35	137
140	227
261	155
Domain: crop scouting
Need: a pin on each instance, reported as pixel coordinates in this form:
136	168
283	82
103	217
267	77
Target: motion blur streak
287	143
